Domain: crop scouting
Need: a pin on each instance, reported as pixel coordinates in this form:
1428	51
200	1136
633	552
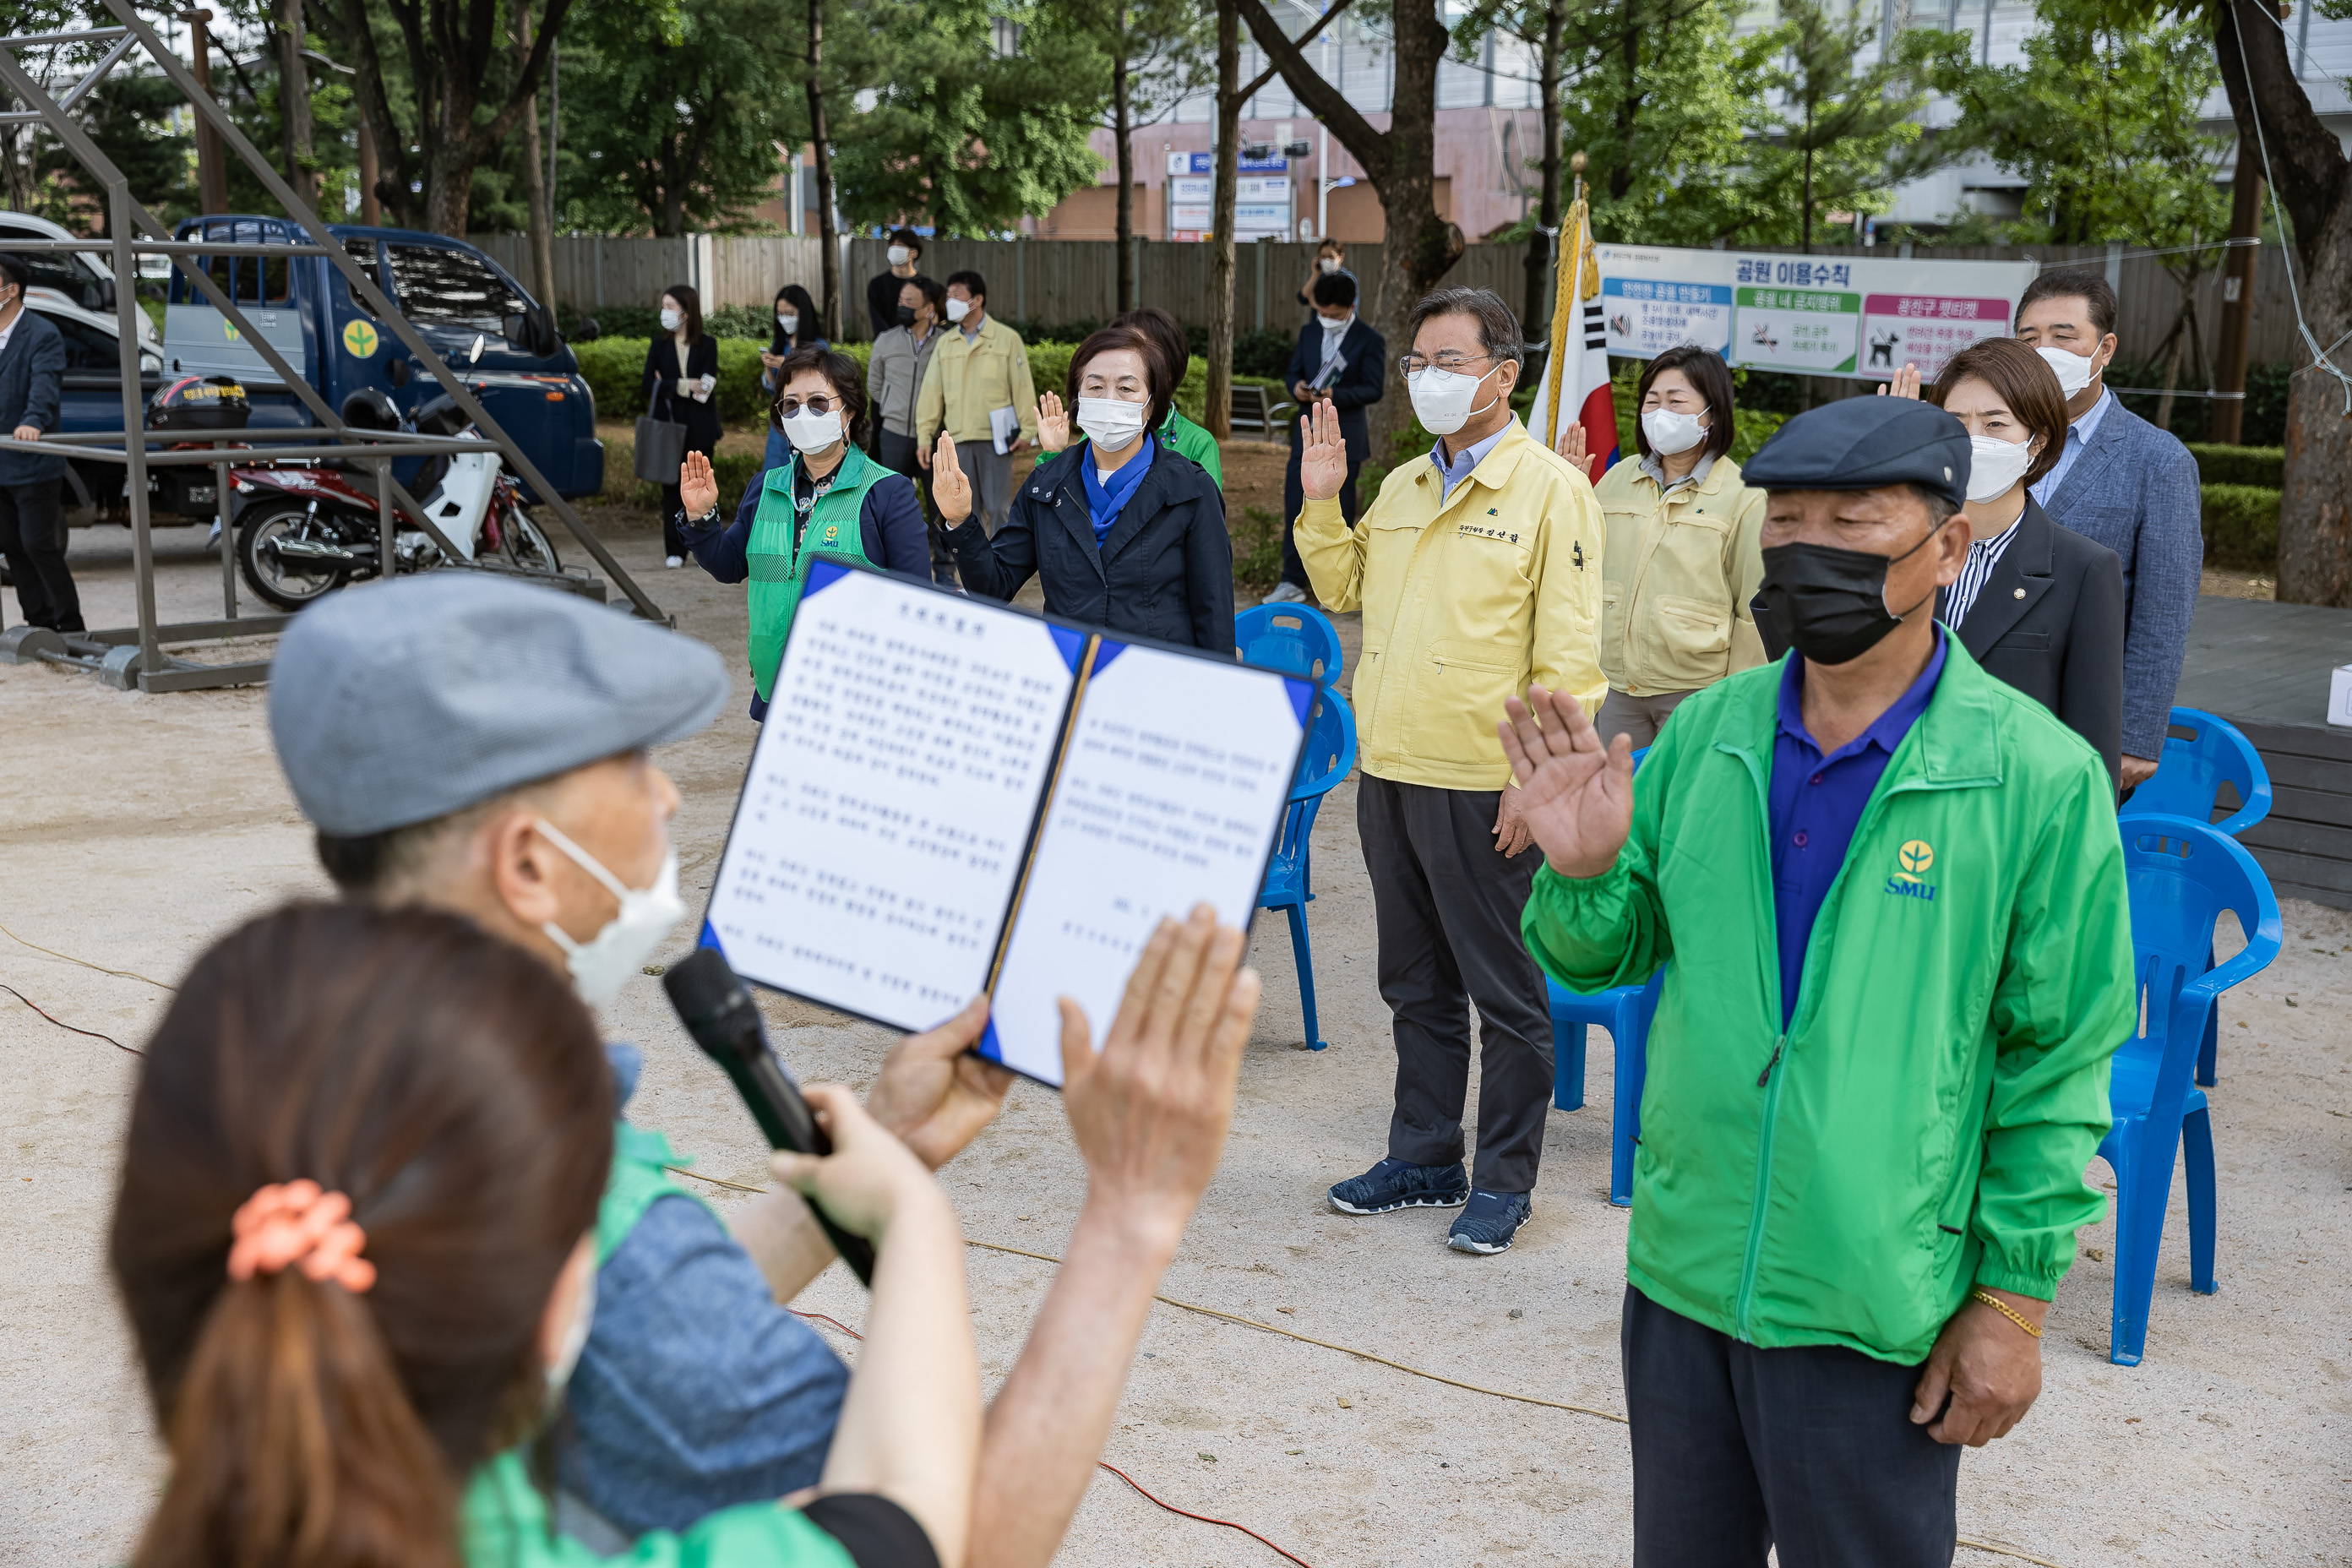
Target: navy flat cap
399	702
1862	443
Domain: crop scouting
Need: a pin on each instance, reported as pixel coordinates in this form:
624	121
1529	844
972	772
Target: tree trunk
534	175
1628	107
1807	247
1533	319
2310	178
2171	371
1123	164
1221	218
829	261
294	104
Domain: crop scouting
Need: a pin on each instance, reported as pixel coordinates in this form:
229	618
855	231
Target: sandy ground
139	827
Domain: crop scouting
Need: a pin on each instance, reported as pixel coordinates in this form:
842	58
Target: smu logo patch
1915	859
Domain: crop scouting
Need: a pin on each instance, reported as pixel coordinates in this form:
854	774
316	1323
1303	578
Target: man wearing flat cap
481	746
1888	898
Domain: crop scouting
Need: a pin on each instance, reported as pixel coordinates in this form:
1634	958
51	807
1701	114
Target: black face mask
1831	603
906	315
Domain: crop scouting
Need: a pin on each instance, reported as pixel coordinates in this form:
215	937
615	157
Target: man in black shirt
882	292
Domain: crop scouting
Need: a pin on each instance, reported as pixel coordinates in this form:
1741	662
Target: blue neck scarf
1104	501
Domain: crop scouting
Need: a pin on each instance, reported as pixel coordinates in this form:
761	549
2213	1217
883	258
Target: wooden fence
1063	281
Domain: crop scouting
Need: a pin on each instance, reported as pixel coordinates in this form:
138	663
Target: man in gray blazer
32	519
2124	484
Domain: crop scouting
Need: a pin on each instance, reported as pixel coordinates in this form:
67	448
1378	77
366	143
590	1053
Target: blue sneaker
1487	1226
1400	1184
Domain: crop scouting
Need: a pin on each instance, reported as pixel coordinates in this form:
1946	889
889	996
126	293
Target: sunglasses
819	405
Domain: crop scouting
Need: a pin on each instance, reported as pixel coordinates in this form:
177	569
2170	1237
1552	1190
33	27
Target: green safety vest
778	570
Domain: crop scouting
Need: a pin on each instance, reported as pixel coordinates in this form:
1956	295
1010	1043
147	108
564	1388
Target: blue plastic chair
2189	784
1292	637
2181	875
1330	754
1624	1011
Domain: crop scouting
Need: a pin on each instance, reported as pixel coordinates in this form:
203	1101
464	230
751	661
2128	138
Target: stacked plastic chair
2188	783
2181	875
1303	641
1624	1011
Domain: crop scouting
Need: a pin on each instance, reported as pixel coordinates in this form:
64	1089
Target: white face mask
575	1340
2074	370
900	254
1327	263
1441	399
959	309
1995	466
1110	423
813	432
788	322
1339	326
670	319
1672	432
600	964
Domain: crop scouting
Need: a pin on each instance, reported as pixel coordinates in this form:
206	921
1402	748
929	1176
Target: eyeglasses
819	405
1446	360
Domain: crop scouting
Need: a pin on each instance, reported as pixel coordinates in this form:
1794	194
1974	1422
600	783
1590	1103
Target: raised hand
1053	422
933	1093
1323	455
1571	446
1905	385
951	490
697	487
1576	795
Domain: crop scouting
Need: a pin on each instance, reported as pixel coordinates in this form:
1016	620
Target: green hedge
622	488
2261	466
2241	527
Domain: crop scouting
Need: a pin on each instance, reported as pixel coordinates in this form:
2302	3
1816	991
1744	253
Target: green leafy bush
2241	527
732	469
2262	466
1257	549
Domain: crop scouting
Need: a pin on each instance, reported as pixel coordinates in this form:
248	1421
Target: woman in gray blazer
2037	604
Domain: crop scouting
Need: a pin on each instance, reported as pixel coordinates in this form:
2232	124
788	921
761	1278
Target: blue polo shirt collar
1885	733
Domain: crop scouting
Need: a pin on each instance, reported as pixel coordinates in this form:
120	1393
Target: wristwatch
710	518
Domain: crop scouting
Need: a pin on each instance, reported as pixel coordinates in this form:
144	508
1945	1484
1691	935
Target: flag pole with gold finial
1572	240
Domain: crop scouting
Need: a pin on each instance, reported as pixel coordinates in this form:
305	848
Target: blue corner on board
1107	649
987	1046
1072	644
1302	703
822	574
709	938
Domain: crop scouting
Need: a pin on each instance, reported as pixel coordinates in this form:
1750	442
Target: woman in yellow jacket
1680	560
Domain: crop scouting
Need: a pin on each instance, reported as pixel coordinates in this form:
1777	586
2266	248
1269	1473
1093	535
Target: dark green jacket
1943	1083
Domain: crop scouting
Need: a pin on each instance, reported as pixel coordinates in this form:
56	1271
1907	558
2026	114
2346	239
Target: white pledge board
950	796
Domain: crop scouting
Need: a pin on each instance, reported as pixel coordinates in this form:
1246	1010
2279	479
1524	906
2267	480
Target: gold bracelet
2004	1309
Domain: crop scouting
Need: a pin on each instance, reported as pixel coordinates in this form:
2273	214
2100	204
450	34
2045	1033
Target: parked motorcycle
305	530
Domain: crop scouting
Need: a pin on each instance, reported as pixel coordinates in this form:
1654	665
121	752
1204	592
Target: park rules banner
1854	315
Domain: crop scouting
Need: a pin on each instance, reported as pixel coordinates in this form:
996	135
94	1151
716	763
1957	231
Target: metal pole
2238	299
134	415
228	542
384	563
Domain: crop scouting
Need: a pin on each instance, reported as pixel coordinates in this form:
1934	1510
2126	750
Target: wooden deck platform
2264	667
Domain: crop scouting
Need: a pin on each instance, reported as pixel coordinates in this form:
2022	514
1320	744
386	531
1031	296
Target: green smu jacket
1924	1123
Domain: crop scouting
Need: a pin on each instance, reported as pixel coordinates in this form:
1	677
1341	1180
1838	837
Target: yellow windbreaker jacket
1676	578
1464	604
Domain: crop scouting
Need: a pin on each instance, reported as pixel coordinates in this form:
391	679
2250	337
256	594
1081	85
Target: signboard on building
1860	317
1262	203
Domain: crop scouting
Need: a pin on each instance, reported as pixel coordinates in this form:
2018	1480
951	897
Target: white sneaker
1285	593
674	562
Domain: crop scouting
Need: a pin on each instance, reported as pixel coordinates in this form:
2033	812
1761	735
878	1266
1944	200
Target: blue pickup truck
481	322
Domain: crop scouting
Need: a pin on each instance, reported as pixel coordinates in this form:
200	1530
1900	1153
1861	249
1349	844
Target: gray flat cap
402	701
1862	443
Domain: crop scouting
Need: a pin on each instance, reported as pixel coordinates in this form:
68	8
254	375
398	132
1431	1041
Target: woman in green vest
355	1239
830	498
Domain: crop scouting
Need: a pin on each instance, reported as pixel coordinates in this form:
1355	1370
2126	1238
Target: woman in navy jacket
1122	532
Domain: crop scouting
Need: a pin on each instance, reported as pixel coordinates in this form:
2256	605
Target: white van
78	279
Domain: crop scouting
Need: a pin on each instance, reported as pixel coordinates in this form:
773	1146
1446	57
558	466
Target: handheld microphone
716	1009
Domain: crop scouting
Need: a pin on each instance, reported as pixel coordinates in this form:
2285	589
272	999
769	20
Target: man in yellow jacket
977	388
1478	570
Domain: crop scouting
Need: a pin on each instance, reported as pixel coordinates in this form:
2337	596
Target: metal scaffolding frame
133	657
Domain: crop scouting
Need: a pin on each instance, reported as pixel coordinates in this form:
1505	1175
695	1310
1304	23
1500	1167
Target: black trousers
897	453
1809	1450
1447	904
33	538
1293	497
